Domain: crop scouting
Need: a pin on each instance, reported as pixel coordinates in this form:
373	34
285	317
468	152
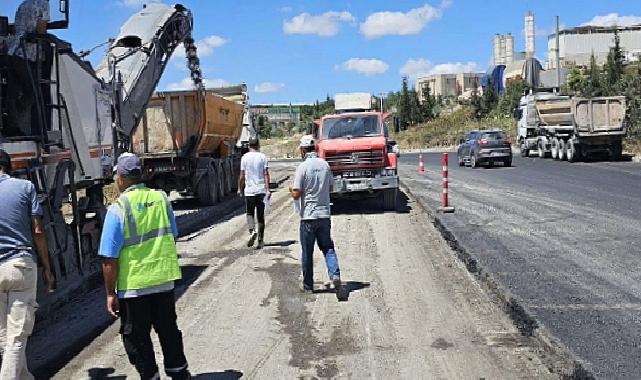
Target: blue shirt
19	204
113	240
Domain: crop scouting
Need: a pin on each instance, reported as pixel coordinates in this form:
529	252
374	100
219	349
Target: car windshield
493	135
351	126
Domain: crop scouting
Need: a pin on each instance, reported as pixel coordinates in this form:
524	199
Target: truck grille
359	158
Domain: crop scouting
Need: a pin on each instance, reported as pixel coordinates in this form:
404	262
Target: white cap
307	141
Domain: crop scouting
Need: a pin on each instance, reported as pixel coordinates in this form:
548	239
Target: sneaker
303	289
252	238
338	286
260	245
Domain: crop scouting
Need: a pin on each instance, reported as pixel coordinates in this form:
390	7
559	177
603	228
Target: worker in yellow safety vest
140	265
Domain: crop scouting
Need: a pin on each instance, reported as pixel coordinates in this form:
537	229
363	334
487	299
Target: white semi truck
571	128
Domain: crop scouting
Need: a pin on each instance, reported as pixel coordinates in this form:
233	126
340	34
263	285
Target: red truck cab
356	146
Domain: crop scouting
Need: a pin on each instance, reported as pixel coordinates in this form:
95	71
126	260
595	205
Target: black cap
5	160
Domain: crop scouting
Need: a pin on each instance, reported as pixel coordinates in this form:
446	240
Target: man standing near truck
312	185
21	233
140	266
253	182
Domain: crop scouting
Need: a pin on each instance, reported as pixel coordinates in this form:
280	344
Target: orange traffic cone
421	164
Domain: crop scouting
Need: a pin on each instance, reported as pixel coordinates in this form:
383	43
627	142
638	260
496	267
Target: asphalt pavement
563	239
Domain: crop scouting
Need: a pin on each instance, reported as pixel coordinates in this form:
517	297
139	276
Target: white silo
530	35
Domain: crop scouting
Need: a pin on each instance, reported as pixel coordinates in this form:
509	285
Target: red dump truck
187	142
354	142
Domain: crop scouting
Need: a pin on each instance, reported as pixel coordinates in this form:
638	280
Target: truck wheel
507	163
228	177
555	149
524	151
616	151
220	180
541	149
572	151
562	149
207	191
389	199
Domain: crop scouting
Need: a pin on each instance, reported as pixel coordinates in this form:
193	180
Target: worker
312	185
253	183
140	265
22	237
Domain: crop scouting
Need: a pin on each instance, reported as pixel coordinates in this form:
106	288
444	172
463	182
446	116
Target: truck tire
389	199
525	152
555	149
562	150
616	151
207	193
220	180
228	177
541	149
572	151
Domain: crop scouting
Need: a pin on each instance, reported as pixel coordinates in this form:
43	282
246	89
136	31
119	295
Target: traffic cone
421	164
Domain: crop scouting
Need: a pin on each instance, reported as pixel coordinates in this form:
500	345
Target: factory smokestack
530	35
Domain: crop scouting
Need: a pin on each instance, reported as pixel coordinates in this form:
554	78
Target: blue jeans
317	231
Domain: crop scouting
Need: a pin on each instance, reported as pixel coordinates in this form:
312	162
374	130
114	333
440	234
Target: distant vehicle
571	128
485	147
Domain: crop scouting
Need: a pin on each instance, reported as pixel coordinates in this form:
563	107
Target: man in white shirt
254	184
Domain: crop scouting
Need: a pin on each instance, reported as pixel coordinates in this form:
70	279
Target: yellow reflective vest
148	257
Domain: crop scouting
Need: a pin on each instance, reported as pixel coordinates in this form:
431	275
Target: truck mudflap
350	185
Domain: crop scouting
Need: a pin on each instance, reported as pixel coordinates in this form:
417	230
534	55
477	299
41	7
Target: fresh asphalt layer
564	239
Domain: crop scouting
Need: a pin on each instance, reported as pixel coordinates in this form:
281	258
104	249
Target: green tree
614	66
511	98
576	82
475	103
489	100
404	106
631	88
429	103
594	82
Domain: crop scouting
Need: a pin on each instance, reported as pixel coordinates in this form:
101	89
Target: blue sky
302	50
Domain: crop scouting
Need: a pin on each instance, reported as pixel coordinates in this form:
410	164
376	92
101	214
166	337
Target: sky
297	51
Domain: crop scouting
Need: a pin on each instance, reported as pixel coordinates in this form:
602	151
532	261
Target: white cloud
286	9
207	45
269	87
381	24
137	3
364	66
415	68
188	84
324	25
420	67
613	19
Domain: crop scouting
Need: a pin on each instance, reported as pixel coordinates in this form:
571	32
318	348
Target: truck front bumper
351	185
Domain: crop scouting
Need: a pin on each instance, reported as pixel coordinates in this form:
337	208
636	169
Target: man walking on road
254	184
21	233
312	185
140	266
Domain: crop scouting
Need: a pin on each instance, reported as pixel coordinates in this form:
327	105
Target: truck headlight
388	172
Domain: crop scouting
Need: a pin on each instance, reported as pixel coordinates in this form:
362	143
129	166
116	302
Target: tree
594	82
576	82
489	100
428	103
404	107
614	66
511	97
475	102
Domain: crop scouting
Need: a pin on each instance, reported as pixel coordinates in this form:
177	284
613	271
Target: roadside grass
285	147
446	131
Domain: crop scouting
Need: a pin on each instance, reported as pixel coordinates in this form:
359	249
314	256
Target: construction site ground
413	312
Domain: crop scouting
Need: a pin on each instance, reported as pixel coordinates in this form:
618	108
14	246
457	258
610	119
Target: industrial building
503	49
449	85
577	45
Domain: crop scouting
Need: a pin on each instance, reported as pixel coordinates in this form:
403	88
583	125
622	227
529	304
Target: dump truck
354	141
187	141
571	128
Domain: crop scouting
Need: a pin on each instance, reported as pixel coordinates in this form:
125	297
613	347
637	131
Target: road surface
414	311
564	239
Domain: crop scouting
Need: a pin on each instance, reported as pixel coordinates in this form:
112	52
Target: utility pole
381	97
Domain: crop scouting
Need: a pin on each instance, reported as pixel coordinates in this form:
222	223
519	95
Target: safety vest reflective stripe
134	238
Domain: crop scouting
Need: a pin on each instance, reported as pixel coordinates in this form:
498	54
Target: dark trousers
254	205
317	231
138	315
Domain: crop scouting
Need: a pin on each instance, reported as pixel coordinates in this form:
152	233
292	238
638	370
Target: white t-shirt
254	165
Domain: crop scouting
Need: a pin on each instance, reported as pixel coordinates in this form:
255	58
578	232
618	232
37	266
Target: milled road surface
564	239
414	312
